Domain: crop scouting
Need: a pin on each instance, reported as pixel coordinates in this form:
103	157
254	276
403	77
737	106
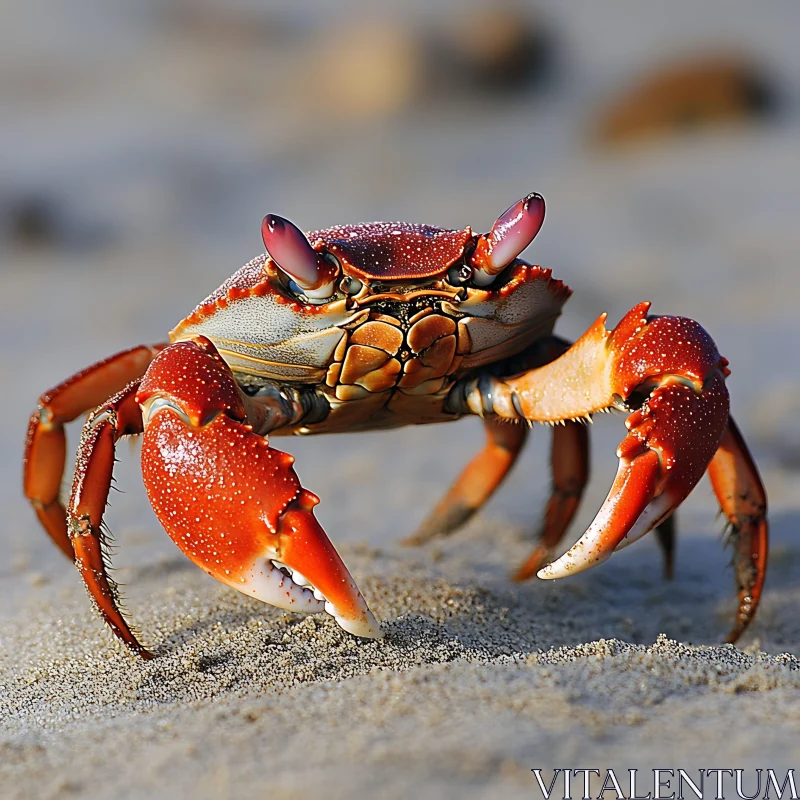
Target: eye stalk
288	247
513	231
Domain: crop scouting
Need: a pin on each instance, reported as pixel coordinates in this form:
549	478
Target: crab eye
294	288
513	231
459	274
350	285
308	275
291	251
315	297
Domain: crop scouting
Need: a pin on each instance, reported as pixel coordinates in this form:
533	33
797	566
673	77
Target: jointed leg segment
119	417
46	443
570	466
484	474
741	495
477	483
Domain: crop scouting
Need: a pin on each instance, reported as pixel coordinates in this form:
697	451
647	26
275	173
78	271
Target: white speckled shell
515	320
259	335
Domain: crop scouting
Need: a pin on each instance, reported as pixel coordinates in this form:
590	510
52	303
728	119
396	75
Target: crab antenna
290	250
514	230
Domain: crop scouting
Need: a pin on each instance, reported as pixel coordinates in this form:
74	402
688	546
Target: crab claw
232	503
513	231
671	439
667	370
289	248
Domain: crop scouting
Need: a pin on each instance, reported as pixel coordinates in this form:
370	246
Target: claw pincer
232	503
670	366
667	371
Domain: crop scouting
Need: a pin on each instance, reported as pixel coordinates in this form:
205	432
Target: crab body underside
376	326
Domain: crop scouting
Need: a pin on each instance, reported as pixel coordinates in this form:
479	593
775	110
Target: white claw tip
552	571
365	625
571	563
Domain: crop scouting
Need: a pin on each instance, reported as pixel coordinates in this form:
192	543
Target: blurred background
142	143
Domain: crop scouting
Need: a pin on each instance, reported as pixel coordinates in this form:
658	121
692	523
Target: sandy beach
474	684
157	176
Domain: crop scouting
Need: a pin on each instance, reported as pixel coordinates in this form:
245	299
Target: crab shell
395	346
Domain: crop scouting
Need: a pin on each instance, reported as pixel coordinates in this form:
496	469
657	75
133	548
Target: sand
475	683
160	186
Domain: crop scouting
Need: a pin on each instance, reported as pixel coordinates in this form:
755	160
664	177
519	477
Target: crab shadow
626	598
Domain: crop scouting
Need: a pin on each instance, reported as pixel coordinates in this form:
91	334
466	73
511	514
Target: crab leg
741	494
669	370
46	443
232	503
484	474
120	416
477	482
665	535
570	467
569	458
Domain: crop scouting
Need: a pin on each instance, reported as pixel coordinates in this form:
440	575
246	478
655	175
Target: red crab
380	325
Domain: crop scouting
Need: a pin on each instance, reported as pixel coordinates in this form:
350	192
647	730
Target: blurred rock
497	48
227	24
375	68
31	222
693	94
363	70
40	222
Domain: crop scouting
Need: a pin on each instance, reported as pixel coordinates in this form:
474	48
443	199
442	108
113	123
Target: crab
379	325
